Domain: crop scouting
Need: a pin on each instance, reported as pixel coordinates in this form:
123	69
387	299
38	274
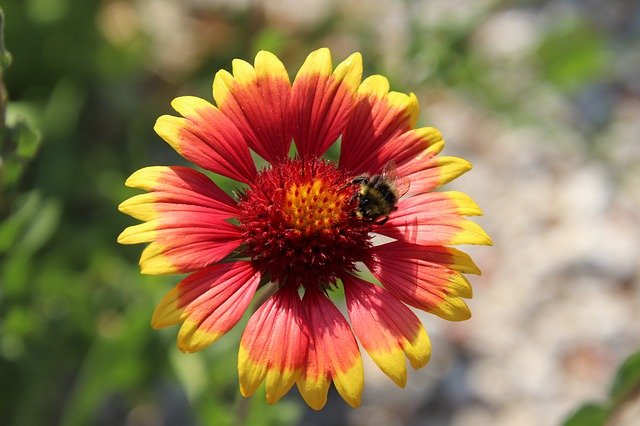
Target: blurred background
543	97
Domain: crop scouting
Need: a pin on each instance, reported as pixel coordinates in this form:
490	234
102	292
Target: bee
378	194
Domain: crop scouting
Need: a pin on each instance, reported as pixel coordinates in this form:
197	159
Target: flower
298	224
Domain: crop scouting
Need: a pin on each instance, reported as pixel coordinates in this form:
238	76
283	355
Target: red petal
427	278
378	117
176	190
426	174
321	101
257	101
386	328
435	218
182	242
274	346
421	143
333	354
210	302
208	138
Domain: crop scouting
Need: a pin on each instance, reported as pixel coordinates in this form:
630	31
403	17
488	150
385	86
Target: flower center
313	206
299	224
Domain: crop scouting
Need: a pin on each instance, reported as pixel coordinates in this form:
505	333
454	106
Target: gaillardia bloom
305	224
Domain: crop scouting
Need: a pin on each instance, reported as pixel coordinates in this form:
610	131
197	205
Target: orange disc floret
315	205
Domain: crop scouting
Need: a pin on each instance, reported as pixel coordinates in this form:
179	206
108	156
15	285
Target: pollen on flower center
299	223
313	206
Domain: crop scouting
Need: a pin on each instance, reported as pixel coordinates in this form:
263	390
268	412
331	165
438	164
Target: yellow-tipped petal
465	205
350	383
374	85
142	233
192	338
452	309
450	168
153	261
169	128
222	83
318	62
432	139
141	207
392	362
267	63
191	106
470	233
386	328
314	391
419	349
252	373
243	72
350	72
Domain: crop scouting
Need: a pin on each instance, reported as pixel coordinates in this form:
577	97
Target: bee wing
402	185
390	173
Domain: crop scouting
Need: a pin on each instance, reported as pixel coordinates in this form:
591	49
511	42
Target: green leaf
627	378
28	139
21	144
12	227
32	224
41	228
588	415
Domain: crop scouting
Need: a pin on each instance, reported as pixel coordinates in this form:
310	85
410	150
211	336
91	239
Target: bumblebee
378	194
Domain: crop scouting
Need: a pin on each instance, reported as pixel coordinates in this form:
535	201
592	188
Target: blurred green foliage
574	54
19	141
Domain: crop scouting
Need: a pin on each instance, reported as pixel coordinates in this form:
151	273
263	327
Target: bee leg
382	221
357	180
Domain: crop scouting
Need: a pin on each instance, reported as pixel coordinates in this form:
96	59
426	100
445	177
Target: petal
379	116
386	328
182	242
257	101
446	257
426	174
273	346
322	102
415	144
333	354
428	278
435	204
176	190
209	303
208	138
435	218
